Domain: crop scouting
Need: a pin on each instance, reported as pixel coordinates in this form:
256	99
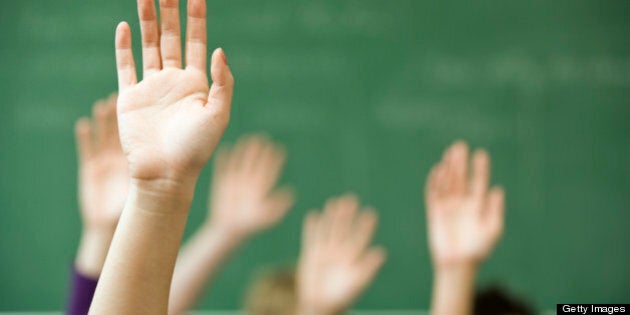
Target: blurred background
365	95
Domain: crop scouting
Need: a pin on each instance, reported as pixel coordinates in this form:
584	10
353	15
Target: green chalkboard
365	95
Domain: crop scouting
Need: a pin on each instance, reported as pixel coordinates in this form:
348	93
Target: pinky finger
125	64
309	229
83	134
496	210
371	262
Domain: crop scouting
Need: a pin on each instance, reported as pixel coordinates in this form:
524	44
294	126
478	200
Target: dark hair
495	300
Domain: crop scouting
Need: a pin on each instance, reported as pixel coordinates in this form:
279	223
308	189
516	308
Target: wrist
456	272
221	235
461	275
460	266
161	195
226	231
453	288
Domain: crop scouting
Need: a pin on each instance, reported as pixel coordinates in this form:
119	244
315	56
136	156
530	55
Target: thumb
222	80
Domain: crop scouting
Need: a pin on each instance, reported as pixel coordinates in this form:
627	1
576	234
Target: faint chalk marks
525	71
440	116
516	69
34	117
288	115
300	64
347	17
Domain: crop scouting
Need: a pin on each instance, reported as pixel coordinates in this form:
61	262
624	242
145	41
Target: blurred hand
103	169
243	199
465	219
336	263
171	121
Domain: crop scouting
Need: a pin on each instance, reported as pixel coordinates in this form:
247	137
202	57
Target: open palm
172	120
465	219
244	199
103	169
337	263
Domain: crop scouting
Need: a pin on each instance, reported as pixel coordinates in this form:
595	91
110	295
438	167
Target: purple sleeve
82	293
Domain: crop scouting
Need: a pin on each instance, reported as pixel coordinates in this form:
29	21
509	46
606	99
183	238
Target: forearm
199	261
453	289
92	251
137	273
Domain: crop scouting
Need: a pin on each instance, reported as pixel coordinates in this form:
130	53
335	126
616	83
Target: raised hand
243	198
171	121
337	263
465	219
103	169
103	184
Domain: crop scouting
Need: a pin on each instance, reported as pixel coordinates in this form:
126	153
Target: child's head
273	293
497	301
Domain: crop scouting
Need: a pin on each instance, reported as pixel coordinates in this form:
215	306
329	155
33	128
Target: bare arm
465	221
200	260
169	125
243	202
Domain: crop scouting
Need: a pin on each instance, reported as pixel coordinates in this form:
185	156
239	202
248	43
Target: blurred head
272	293
498	301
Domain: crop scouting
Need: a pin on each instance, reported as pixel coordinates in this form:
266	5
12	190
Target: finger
112	122
370	265
343	219
221	181
430	188
151	62
222	81
459	166
125	66
221	161
309	229
480	173
449	168
99	116
196	37
279	203
112	99
363	232
495	211
440	180
170	40
326	221
272	160
264	154
83	136
235	156
110	136
251	153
